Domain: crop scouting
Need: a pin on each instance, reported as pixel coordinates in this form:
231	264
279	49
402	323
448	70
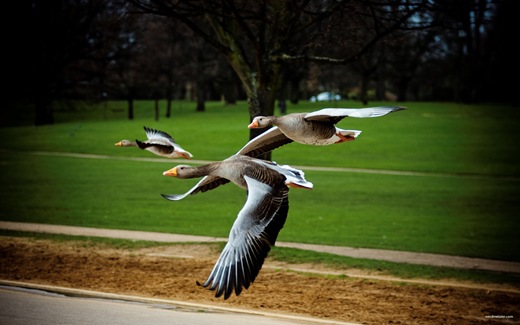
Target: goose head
260	122
125	143
177	171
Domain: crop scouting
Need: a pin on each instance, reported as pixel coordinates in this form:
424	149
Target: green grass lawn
467	206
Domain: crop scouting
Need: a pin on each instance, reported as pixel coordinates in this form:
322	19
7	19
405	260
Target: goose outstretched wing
152	134
265	142
335	115
205	184
254	232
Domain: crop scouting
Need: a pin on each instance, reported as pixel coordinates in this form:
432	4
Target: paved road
20	306
377	254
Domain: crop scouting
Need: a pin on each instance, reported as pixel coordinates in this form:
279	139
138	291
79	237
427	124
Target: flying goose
159	143
300	127
259	221
315	128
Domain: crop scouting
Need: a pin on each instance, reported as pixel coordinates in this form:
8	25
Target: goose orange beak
171	172
253	125
119	144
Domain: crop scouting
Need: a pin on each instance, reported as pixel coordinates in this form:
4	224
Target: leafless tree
258	37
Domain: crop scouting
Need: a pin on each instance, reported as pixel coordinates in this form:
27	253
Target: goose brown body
234	169
297	128
259	221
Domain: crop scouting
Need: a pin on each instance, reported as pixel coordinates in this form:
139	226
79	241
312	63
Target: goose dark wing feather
254	232
151	133
325	118
205	184
265	142
160	147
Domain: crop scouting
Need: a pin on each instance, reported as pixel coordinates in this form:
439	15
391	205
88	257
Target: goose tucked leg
294	185
346	135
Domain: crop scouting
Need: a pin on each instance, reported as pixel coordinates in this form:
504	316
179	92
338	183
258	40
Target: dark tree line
258	50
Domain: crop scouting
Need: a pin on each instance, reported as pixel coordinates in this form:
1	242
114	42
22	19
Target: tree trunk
200	93
229	91
130	101
168	107
168	102
261	78
380	88
402	89
156	107
262	104
363	95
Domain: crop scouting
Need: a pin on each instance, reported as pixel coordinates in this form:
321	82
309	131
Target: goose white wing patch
328	113
296	176
292	175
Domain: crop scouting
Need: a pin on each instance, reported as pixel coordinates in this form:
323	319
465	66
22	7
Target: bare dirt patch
170	272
